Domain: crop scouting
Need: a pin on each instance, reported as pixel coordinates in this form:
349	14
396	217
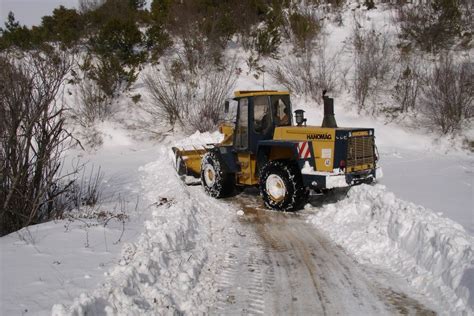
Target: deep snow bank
433	253
162	272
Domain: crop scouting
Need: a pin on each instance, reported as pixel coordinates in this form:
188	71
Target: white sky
30	12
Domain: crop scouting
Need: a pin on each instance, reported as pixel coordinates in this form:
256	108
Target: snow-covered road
284	266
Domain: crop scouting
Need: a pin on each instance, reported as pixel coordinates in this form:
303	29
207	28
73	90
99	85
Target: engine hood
312	133
304	133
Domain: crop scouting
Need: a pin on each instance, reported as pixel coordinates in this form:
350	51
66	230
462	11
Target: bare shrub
112	76
448	94
33	137
82	192
92	104
371	62
190	101
309	74
87	191
267	40
255	67
194	53
208	112
171	96
408	83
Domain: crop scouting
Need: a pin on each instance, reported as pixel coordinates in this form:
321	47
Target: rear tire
281	186
216	181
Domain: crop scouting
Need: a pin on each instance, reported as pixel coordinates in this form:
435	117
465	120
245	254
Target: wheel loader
265	146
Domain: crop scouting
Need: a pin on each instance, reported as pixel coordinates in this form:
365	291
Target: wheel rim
275	187
209	175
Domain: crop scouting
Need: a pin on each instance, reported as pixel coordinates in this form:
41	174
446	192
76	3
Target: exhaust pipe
329	120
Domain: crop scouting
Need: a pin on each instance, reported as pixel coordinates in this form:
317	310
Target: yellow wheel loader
285	159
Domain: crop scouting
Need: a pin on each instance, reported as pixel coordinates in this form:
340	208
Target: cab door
261	121
245	160
241	135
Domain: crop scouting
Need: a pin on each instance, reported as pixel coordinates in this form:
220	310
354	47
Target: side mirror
226	106
299	117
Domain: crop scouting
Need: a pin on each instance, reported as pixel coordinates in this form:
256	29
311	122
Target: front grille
360	151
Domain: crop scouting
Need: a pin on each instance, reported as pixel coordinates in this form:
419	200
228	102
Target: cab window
262	119
281	110
231	115
241	135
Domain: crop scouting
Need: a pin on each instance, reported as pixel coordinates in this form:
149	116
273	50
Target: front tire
281	186
214	178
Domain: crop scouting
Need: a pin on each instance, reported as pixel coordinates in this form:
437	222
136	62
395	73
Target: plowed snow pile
433	253
168	270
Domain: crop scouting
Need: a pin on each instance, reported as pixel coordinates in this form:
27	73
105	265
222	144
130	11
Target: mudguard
264	147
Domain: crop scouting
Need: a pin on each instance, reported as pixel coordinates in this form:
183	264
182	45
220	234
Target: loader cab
258	113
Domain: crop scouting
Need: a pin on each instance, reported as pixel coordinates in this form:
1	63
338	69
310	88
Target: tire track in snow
243	277
311	275
243	281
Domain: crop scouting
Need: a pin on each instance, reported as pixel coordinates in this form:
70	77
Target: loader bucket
188	160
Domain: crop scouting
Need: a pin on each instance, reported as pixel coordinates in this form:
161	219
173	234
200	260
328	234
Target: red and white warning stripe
303	150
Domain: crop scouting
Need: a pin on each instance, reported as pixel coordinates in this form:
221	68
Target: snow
167	251
165	261
165	265
113	135
434	254
336	181
307	169
443	183
57	261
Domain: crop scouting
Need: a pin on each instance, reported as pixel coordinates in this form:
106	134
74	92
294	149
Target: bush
109	74
118	50
81	191
191	101
308	74
448	94
92	104
18	36
372	63
65	26
101	12
369	4
267	41
305	26
408	82
171	97
120	39
157	41
267	36
32	140
432	26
